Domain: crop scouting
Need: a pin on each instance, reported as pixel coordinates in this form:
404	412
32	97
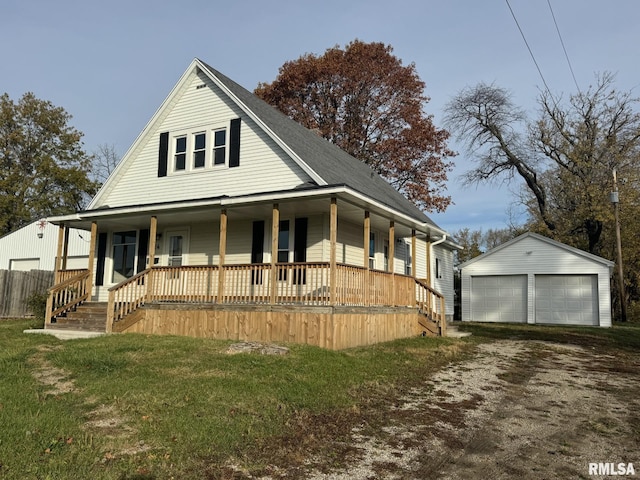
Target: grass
161	407
623	337
156	407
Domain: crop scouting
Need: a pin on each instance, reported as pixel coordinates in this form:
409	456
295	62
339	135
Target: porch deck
356	298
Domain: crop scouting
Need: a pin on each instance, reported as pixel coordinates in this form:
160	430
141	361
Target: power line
529	48
566	55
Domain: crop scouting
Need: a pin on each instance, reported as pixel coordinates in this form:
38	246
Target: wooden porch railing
68	294
127	296
432	303
297	283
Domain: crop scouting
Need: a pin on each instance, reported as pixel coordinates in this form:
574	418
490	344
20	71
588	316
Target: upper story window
198	149
201	149
180	155
220	146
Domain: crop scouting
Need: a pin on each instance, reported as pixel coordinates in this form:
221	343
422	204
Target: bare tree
485	118
105	160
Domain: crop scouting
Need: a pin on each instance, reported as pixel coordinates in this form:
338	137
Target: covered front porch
279	294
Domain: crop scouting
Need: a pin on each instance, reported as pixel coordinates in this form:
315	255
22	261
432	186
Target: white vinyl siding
24	244
443	284
263	165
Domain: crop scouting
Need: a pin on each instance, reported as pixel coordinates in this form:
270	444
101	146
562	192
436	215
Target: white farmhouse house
227	219
534	279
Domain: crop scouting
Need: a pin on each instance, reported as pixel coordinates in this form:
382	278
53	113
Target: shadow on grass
619	337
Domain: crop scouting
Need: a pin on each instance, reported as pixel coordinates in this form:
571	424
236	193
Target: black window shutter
300	249
257	250
102	253
234	143
163	154
143	249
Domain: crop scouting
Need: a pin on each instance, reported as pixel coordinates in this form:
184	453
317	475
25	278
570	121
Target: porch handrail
127	296
431	301
68	294
305	283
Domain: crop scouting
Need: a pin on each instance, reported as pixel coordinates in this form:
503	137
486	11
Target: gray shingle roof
329	162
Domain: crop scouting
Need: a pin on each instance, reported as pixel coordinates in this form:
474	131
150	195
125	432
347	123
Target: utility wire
563	47
529	48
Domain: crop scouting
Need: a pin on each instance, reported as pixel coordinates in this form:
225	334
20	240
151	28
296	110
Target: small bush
37	304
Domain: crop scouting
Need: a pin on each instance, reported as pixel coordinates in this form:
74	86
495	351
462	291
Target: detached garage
533	279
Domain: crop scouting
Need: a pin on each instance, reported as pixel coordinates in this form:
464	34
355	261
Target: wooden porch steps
89	317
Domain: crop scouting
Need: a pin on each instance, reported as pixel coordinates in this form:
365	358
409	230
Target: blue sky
110	64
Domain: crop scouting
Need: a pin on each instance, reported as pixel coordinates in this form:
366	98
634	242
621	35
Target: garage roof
573	250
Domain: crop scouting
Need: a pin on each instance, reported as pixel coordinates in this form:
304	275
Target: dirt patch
516	409
104	420
45	373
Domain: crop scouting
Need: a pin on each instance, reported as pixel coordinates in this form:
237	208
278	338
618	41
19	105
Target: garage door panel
566	299
499	298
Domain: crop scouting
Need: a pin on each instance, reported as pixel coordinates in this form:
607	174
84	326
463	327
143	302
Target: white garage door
24	264
74	263
499	298
567	299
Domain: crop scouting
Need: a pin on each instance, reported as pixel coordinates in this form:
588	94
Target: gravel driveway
517	409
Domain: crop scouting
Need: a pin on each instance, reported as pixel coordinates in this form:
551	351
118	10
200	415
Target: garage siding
535	256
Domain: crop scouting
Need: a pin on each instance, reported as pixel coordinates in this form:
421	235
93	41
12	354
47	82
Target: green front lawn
158	407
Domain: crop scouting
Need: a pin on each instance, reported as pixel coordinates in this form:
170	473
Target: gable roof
325	163
547	240
329	162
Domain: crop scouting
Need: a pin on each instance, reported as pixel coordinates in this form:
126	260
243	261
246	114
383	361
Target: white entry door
176	248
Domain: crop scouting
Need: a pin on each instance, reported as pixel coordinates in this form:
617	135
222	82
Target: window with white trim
220	146
200	149
180	153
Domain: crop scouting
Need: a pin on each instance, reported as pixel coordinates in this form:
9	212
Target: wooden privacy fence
16	287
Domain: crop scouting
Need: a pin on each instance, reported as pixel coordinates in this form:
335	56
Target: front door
176	248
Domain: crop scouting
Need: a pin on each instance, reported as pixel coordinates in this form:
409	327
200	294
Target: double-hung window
180	156
199	149
220	146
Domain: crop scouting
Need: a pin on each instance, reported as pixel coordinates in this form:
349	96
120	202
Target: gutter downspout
437	242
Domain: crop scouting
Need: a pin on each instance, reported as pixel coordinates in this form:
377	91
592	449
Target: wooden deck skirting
332	327
360	305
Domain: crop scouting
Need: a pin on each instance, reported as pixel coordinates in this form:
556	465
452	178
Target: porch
301	302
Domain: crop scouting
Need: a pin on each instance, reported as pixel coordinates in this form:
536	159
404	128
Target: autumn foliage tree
43	168
364	100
